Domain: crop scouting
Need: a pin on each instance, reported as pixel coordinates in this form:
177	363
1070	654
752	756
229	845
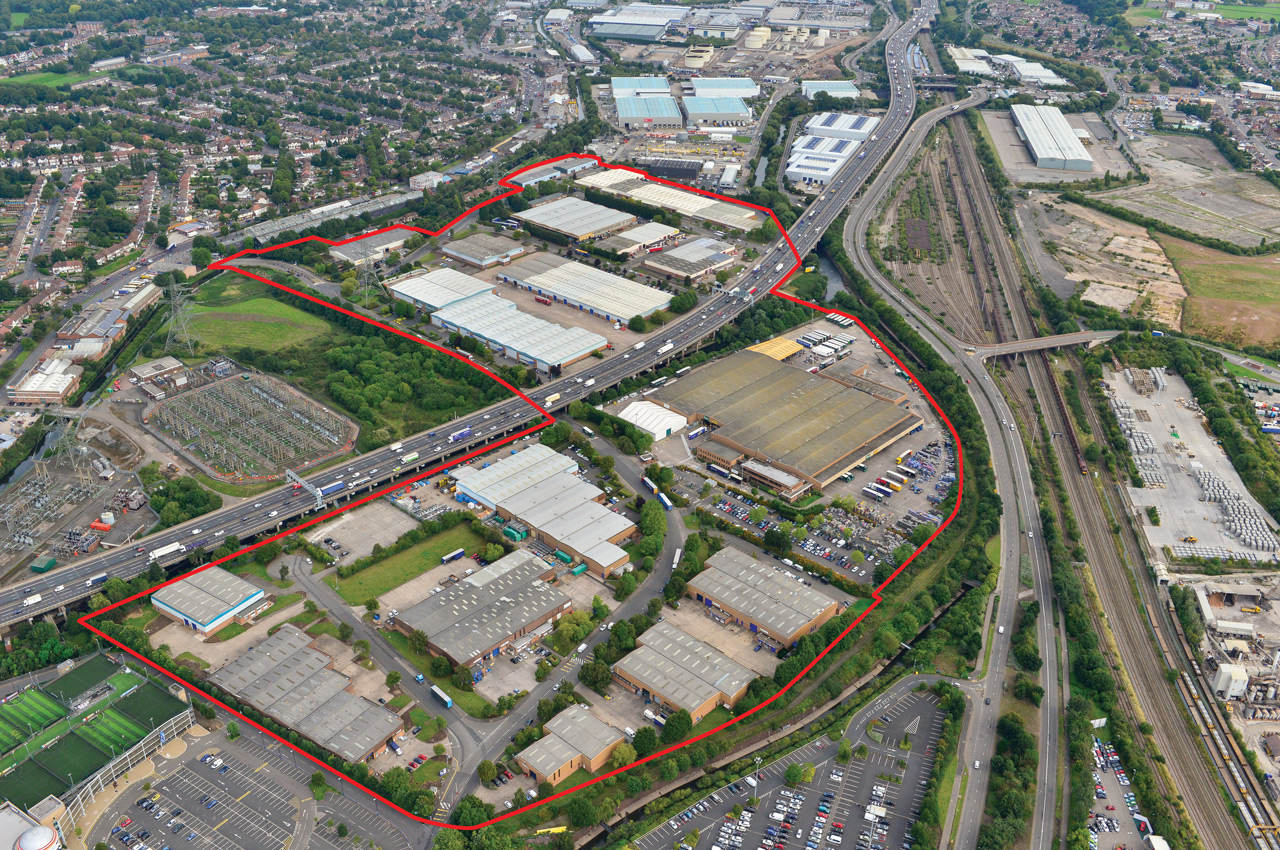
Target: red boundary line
547	420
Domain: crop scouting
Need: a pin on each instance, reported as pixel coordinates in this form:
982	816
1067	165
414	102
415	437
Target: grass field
1269	12
45	78
29	783
10	737
261	323
194	659
1137	17
149	706
17	19
84	676
112	732
73	756
399	568
32	709
140	620
469	701
117	264
717	716
1232	298
281	603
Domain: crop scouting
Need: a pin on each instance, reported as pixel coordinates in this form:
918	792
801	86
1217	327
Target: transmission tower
368	280
180	331
69	450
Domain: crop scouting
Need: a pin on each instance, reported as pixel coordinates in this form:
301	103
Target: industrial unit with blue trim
210	600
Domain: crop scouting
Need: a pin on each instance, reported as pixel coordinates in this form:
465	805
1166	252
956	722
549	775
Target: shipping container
455	555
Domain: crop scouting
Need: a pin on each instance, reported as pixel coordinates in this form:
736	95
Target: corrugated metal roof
512	474
207	595
779	348
595	289
499	322
575	217
438	288
685	670
771	596
633	108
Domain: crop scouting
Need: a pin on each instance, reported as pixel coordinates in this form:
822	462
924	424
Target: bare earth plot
1235	299
1118	264
1193	187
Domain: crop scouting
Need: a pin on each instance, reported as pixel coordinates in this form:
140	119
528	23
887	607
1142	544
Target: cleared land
403	566
1118	264
1234	299
1253	13
46	78
1194	188
259	323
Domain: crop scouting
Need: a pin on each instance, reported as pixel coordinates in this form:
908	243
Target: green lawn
410	563
717	716
1257	13
469	701
324	627
240	491
261	323
17	19
252	567
281	603
1136	17
399	702
46	78
578	777
1241	372
140	620
194	659
993	550
233	630
114	265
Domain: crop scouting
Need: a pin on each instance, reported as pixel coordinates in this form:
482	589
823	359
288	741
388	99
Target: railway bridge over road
1041	343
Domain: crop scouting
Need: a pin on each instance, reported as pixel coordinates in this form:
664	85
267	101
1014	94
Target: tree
677	727
418	642
595	675
372	605
599	610
362	648
540	672
793	774
201	257
645	742
493	552
342	830
233	730
669	770
284	571
777	540
440	666
345	631
622	756
638	324
317	781
581	811
98	601
486	771
393	678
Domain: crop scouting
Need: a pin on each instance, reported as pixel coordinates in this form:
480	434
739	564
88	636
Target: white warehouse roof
647	108
840	125
653	419
725	87
512	474
502	325
437	288
593	290
575	217
1052	141
834	88
563	507
638	86
717	108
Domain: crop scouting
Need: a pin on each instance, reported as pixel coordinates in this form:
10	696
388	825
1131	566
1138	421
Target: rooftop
207	595
438	288
575	217
770	595
596	289
571	734
501	323
483	249
641	108
682	668
513	473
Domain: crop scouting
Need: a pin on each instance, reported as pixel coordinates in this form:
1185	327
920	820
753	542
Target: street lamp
758	760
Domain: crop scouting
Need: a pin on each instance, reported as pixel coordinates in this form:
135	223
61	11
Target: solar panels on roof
840	145
830	119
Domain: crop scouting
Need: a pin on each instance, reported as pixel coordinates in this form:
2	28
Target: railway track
1137	650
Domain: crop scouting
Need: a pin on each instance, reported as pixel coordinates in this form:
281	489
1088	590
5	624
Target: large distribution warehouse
813	427
717	111
628	184
678	671
436	289
482	250
773	603
478	615
649	113
539	488
209	600
527	339
286	678
587	288
1052	141
831	88
743	87
575	739
839	125
576	218
640	86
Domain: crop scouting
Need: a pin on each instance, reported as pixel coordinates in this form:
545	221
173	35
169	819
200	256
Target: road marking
219	826
260	767
245	794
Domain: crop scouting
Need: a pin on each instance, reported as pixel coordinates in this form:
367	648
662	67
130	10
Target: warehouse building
649	113
841	125
483	250
807	425
831	88
525	338
479	615
686	170
370	249
653	419
587	288
628	184
717	111
639	86
576	218
637	239
1050	139
289	680
209	600
540	489
692	261
553	171
574	739
433	290
739	87
771	602
678	671
52	381
789	487
153	369
816	160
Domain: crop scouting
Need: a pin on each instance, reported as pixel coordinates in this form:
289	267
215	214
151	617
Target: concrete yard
1173	463
376	522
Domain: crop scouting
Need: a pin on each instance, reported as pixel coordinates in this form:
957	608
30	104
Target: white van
977	765
778	816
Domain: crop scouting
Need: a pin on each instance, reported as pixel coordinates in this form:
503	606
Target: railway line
1136	649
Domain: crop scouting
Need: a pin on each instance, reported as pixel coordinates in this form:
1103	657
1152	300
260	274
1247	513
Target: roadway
1019	524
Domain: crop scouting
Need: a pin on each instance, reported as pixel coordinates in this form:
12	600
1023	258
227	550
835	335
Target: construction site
68	503
241	426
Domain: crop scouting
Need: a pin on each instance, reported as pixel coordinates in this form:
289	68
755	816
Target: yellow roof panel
779	348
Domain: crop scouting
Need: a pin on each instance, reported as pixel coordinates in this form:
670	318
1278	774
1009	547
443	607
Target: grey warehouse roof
597	290
483	609
207	595
499	322
437	288
686	671
562	506
512	474
370	246
481	249
771	596
575	217
640	108
290	681
571	733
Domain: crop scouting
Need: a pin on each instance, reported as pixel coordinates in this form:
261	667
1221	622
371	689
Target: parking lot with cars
1111	823
867	804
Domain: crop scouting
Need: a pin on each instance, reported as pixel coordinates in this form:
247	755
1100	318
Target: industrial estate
764	425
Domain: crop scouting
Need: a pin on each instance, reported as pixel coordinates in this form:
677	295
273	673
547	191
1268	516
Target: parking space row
244	818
